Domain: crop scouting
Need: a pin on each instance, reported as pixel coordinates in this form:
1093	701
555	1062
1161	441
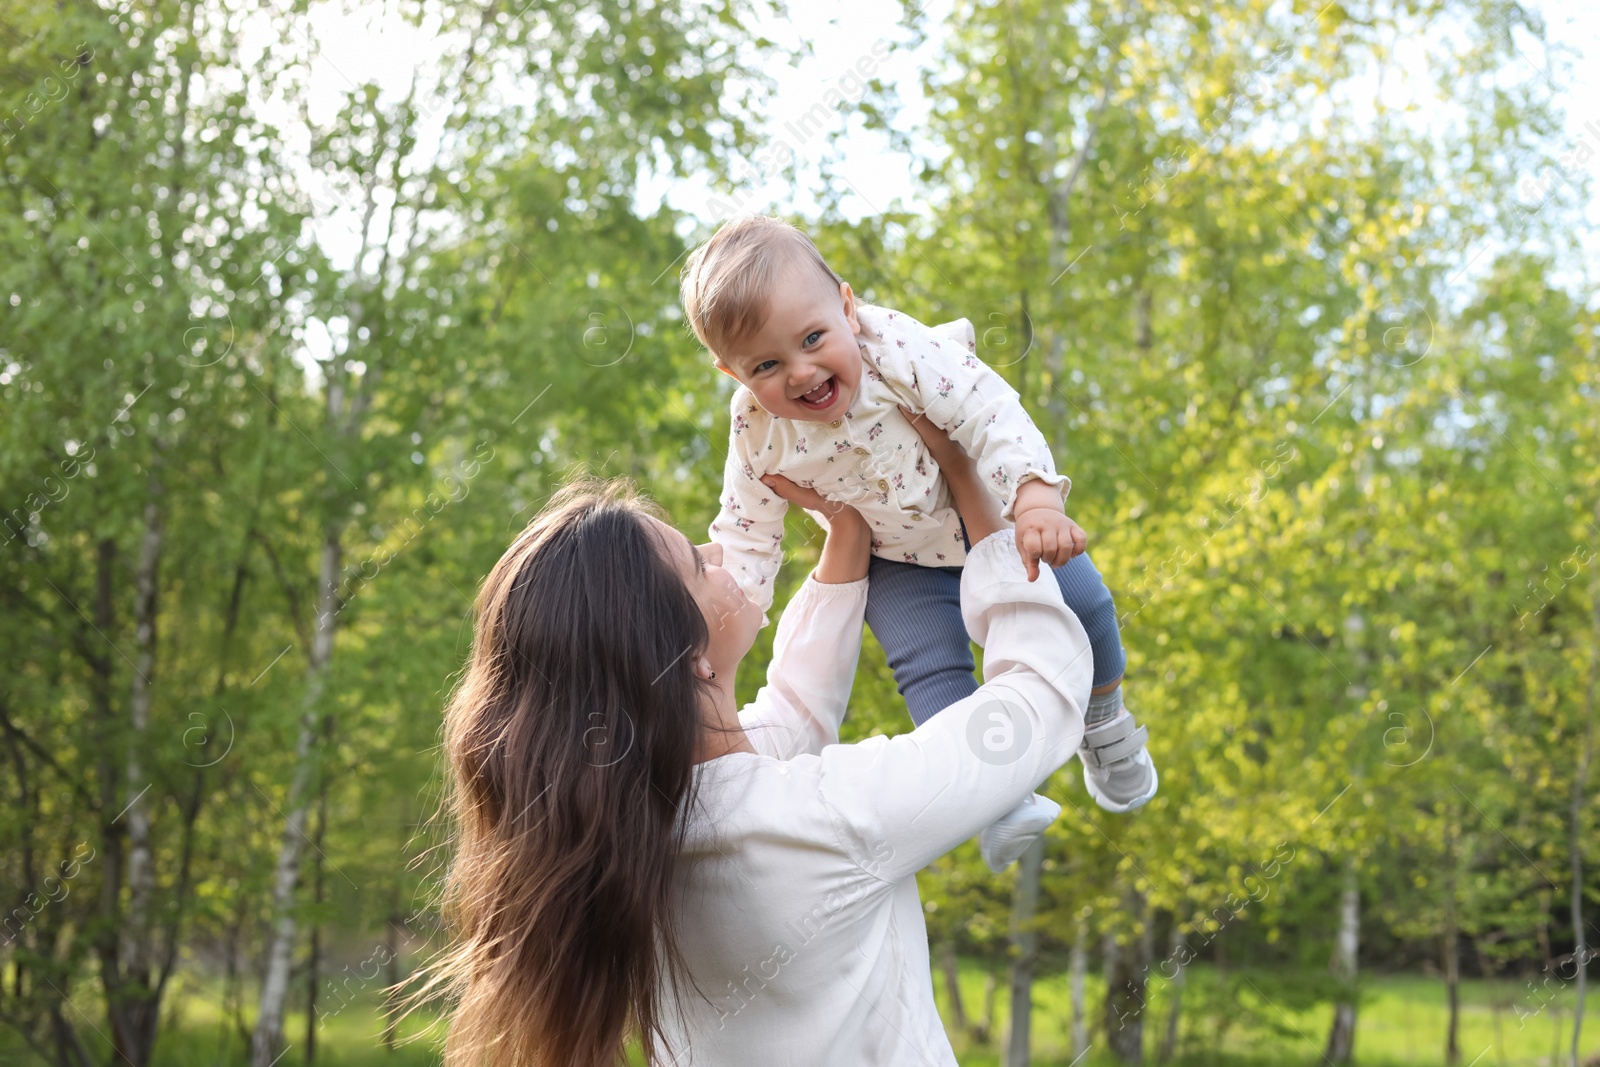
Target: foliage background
1298	292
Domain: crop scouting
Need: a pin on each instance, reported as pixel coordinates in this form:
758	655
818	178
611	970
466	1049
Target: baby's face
804	362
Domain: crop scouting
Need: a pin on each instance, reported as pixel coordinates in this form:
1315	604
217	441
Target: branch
288	591
1061	195
191	814
15	733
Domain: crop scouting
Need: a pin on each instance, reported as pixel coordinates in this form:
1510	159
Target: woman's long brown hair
570	744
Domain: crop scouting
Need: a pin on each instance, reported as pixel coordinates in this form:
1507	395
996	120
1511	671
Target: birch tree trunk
134	1012
128	956
113	835
1580	783
267	1040
1169	1042
1342	1035
344	424
314	964
1025	948
1058	208
952	986
1078	968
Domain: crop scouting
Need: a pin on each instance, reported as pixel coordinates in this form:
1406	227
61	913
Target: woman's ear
847	301
702	669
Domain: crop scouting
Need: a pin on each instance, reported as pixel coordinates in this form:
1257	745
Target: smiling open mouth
821	396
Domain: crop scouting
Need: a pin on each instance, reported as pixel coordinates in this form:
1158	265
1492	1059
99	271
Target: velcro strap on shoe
1105	750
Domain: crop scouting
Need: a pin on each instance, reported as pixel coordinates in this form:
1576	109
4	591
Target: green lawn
199	1034
1401	1022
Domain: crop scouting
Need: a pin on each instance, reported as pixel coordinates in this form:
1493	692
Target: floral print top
873	459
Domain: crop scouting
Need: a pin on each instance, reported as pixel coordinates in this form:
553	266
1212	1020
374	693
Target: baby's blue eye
765	364
811	338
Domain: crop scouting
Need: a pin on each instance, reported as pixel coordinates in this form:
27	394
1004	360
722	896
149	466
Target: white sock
1003	843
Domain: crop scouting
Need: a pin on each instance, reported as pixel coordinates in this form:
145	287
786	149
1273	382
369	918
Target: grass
1272	1021
1253	1019
198	1033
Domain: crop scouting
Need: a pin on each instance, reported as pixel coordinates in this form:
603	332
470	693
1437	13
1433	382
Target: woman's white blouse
872	457
796	891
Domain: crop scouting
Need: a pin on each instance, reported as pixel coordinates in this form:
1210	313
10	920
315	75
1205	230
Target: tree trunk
1169	1042
267	1040
1025	952
313	966
314	962
132	1001
952	986
134	1013
985	1029
1451	947
1452	986
1127	963
1058	208
1219	960
108	772
344	415
1541	929
232	986
1078	967
1342	1035
1580	783
69	1044
392	966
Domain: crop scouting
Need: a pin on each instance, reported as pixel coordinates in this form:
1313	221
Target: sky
846	39
1576	25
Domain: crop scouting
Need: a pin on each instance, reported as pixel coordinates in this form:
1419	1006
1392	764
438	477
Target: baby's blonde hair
727	284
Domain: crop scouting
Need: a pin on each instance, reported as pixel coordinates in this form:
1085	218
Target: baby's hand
1047	534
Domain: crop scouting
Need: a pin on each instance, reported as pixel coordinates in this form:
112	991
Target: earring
713	677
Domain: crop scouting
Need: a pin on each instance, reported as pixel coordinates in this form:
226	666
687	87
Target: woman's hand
979	509
803	497
848	548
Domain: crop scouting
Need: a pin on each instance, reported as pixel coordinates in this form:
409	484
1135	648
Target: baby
825	384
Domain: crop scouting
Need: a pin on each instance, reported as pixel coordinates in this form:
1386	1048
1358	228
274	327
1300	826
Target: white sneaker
1003	843
1117	770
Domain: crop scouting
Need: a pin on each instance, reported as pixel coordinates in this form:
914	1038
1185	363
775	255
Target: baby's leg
1086	594
1117	769
915	613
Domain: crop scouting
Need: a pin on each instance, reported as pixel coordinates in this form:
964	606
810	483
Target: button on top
860	451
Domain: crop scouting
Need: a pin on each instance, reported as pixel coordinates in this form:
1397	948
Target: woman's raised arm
818	643
914	797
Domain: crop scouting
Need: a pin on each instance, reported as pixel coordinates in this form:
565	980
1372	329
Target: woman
637	855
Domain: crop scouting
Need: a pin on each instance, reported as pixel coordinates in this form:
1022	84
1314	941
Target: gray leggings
915	613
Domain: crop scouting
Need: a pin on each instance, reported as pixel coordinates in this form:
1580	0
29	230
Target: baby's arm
749	524
1038	503
945	382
